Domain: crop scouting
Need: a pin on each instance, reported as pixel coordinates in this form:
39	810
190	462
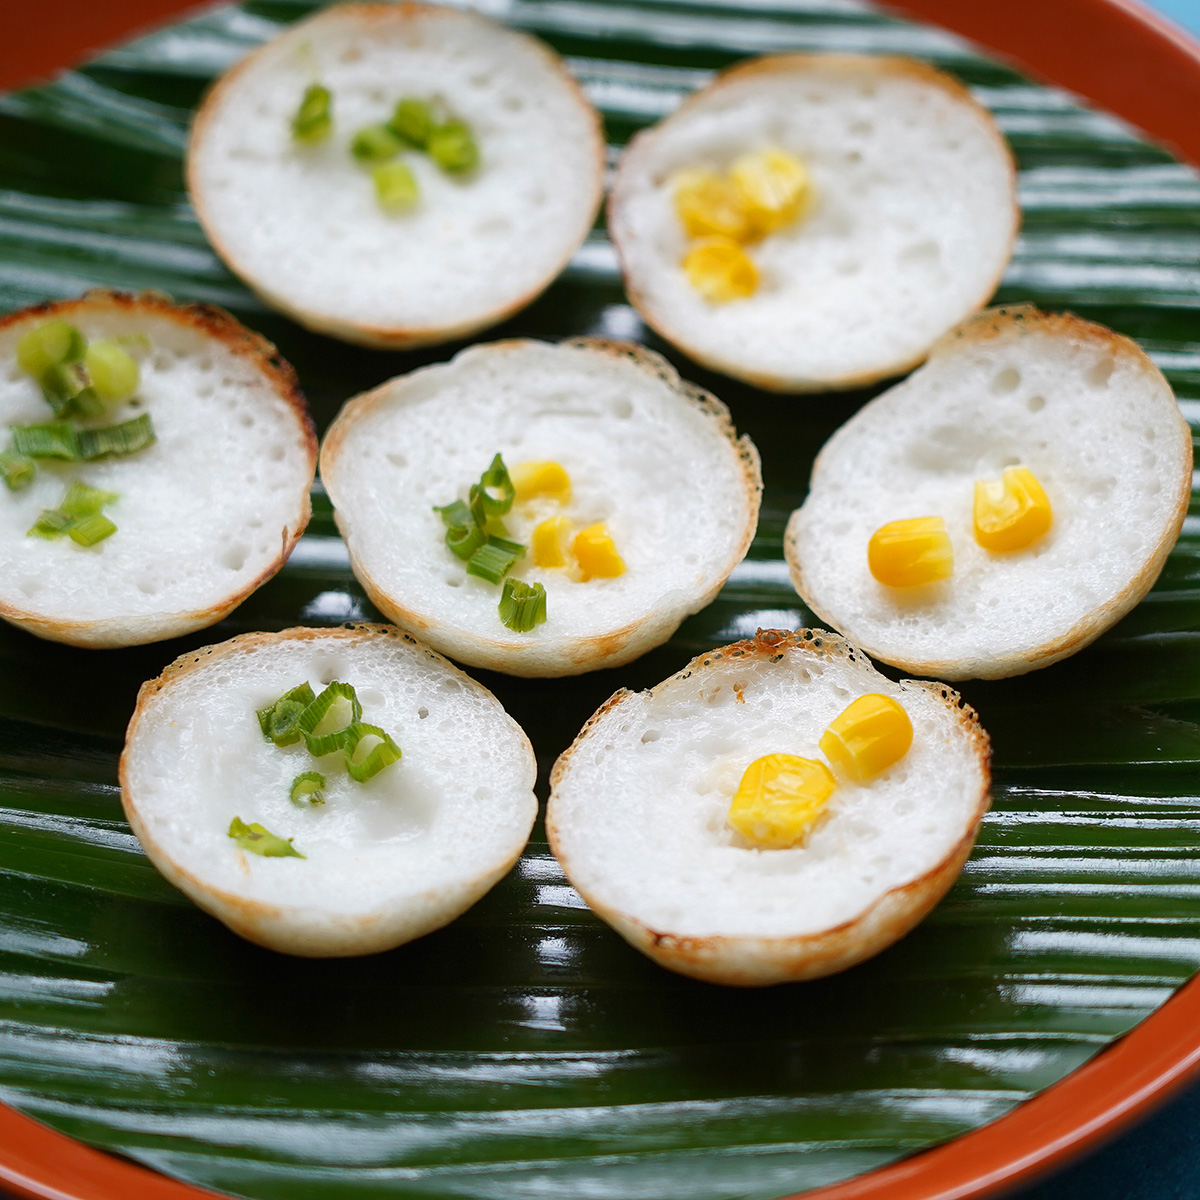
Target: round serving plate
526	1051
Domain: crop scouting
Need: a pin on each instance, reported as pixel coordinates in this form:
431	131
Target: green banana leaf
526	1051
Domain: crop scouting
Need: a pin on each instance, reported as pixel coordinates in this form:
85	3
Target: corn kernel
867	737
908	553
596	553
1010	513
775	188
550	542
531	479
779	799
720	270
710	205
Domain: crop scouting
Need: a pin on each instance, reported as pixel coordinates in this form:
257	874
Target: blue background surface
1159	1159
1185	12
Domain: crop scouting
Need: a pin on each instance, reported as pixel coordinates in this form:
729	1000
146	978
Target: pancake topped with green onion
542	509
327	791
397	174
155	466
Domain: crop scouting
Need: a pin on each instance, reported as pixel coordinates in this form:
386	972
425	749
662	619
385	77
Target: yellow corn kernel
720	270
867	737
709	204
550	479
596	553
908	553
1010	513
780	799
550	547
775	188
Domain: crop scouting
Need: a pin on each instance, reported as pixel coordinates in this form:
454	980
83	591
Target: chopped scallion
82	500
308	788
17	470
395	187
128	437
51	523
112	370
498	488
494	559
522	605
464	540
458	513
62	384
453	147
314	117
375	144
412	121
54	439
47	346
87	531
280	722
262	841
368	750
325	721
78	515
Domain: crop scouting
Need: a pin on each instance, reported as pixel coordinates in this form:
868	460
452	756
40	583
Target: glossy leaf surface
526	1051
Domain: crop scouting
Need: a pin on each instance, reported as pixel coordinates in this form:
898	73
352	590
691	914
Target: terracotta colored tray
1124	59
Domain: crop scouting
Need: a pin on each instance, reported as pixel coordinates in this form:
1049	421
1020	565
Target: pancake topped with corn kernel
1003	506
811	222
542	509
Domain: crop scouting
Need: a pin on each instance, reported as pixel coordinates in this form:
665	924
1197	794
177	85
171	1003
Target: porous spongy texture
203	516
386	860
655	459
639	805
1094	420
301	224
911	227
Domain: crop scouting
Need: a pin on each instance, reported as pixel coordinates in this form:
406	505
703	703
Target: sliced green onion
280	722
368	751
395	187
262	841
453	147
52	523
522	605
325	721
82	500
112	370
62	383
493	495
496	479
308	788
17	470
49	345
314	117
54	439
464	540
412	121
126	438
78	515
375	144
458	513
493	560
87	531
